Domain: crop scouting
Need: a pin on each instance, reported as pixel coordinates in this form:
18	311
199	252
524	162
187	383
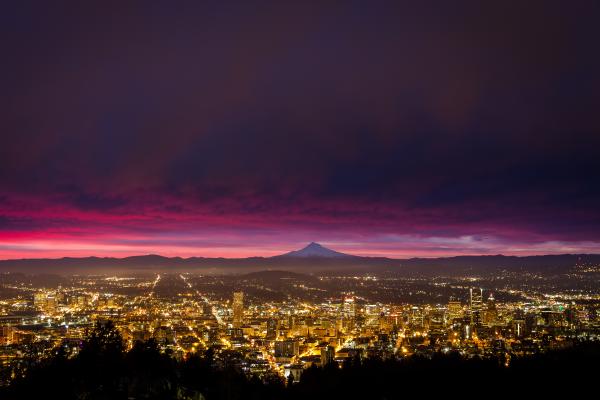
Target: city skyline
295	200
279	329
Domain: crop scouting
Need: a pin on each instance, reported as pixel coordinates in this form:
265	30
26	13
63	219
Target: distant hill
311	259
317	251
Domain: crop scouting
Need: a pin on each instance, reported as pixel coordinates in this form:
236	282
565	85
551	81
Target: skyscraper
454	309
476	305
238	309
327	355
286	348
271	328
39	299
416	317
491	313
349	307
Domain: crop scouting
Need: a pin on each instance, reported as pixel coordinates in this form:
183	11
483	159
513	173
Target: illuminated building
518	326
416	317
327	355
454	309
387	323
50	303
164	335
6	334
82	301
475	305
39	300
436	320
349	307
271	328
490	315
285	350
238	309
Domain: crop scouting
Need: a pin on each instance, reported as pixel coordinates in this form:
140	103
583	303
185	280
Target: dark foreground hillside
104	370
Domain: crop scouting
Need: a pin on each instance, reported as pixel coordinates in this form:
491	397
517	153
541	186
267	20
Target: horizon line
316	257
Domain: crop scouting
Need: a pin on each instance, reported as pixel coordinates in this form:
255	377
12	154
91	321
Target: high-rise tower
238	309
455	310
476	305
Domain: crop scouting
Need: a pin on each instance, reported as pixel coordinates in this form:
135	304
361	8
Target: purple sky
243	129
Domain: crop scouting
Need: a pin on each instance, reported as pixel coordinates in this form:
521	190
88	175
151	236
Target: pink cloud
252	226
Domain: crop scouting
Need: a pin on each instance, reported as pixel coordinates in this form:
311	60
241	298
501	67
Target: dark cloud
459	118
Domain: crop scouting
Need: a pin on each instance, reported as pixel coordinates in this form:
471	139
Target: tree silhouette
103	370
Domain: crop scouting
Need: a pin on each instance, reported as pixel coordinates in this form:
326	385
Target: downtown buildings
245	326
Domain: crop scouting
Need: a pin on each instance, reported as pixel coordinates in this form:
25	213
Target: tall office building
238	309
327	355
271	328
286	348
349	307
436	320
39	300
476	305
491	313
6	334
455	310
416	317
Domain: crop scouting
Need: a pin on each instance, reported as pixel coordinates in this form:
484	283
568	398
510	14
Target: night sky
213	129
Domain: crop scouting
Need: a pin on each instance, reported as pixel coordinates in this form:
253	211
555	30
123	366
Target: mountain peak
314	249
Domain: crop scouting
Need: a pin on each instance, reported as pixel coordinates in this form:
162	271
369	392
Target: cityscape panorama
299	200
